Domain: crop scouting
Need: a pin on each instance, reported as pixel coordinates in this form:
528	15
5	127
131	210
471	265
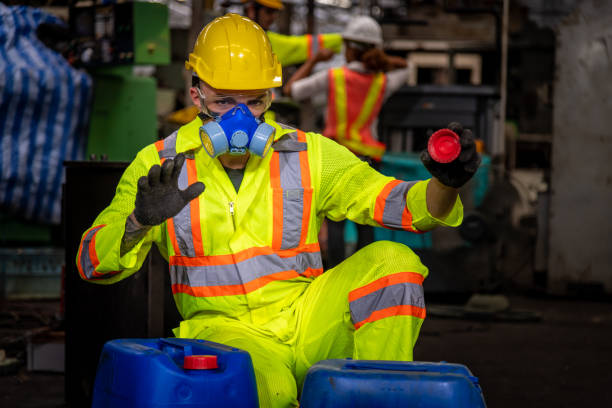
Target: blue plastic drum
155	373
384	384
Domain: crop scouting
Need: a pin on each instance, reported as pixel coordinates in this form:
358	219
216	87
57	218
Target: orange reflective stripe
331	121
93	255
390	210
159	145
91	262
305	172
80	262
401	310
301	136
79	267
230	259
227	290
321	42
312	272
381	201
407	222
309	46
277	202
194	207
365	115
402	277
172	236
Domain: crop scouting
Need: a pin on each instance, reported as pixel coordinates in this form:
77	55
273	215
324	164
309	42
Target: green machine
114	41
123	117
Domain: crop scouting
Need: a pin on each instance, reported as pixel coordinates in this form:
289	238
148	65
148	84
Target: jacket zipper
231	210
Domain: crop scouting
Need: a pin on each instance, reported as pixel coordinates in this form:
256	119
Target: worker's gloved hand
159	197
459	171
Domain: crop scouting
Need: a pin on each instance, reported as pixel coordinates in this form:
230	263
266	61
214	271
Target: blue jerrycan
155	373
385	384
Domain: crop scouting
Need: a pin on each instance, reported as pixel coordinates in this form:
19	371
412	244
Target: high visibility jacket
249	254
296	49
354	101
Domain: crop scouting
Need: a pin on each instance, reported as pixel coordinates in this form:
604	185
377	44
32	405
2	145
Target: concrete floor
561	361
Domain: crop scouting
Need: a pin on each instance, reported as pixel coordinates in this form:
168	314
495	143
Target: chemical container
155	373
382	384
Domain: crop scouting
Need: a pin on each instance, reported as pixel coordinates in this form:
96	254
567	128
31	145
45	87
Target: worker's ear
195	98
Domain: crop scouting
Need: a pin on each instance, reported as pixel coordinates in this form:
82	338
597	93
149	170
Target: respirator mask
233	127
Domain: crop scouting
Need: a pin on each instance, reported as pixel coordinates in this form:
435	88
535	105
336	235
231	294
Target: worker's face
266	17
219	101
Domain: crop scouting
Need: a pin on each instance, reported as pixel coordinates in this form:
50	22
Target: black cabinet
413	111
138	307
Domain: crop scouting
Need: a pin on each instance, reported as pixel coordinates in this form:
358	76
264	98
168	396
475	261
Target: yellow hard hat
274	4
233	52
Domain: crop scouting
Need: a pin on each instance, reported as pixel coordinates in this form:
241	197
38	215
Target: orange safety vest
354	102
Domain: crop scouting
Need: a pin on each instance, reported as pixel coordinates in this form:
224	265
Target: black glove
158	197
459	171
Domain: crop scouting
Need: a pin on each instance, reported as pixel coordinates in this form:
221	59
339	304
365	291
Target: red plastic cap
444	146
201	362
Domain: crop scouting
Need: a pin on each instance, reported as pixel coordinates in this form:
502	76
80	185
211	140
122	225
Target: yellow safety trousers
322	324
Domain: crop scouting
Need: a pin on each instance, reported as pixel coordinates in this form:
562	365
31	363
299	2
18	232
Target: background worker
355	93
235	204
290	49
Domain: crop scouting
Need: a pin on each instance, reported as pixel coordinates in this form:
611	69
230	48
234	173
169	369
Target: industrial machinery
113	41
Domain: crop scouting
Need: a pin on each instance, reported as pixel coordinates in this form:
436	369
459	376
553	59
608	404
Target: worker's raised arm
296	49
121	236
351	189
158	198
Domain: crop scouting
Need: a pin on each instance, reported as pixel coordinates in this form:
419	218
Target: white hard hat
364	29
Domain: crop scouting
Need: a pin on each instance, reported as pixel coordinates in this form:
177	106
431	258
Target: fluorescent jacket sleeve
421	218
350	188
98	258
296	49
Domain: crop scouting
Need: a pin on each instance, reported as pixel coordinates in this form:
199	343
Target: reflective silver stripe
389	296
314	44
169	150
85	260
244	271
293	197
182	220
395	205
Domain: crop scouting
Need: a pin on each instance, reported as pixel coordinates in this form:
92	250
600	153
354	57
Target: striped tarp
44	109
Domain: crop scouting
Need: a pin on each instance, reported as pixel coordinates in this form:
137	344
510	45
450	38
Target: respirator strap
204	116
288	144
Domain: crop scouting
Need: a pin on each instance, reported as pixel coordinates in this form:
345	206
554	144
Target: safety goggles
219	104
